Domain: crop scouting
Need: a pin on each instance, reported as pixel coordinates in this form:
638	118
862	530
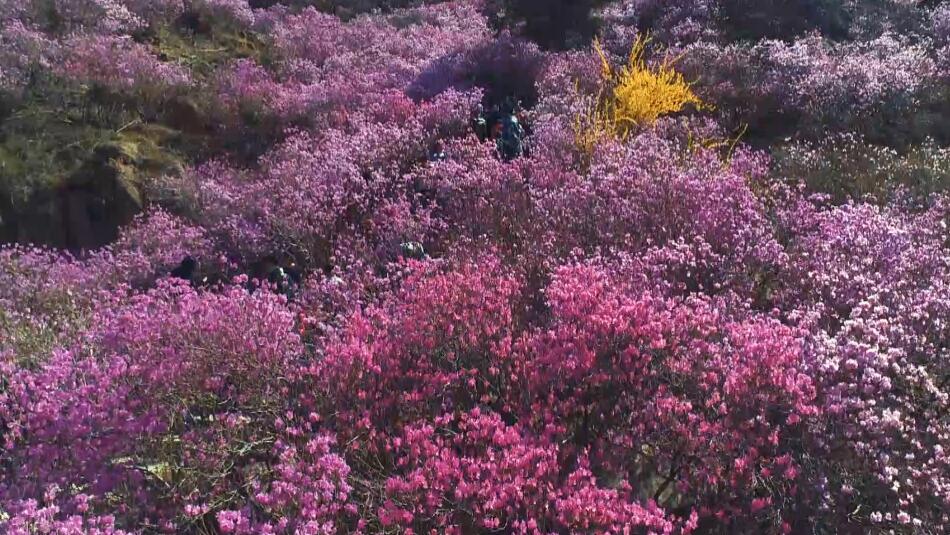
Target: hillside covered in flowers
474	266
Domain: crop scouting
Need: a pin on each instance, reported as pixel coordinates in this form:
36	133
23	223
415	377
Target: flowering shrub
119	63
168	401
25	53
635	97
732	321
848	166
874	342
812	82
641	95
31	517
106	16
237	11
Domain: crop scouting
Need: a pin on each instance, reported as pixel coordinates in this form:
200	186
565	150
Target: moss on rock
85	207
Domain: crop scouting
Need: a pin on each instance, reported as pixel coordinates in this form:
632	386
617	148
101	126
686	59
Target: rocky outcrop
87	208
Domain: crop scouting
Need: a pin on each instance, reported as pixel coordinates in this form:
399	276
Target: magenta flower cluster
684	331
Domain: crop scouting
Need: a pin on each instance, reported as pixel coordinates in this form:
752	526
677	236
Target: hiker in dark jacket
481	127
413	249
511	141
438	152
186	269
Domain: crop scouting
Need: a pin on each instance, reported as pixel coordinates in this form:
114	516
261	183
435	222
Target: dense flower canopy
709	294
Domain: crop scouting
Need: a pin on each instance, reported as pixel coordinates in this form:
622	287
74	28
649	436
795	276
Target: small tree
553	24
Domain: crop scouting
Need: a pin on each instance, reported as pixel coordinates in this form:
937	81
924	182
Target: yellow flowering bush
635	95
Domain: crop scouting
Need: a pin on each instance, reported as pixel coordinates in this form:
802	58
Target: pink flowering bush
106	16
876	325
32	517
602	381
814	82
120	64
344	308
311	190
141	384
237	11
26	53
503	479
